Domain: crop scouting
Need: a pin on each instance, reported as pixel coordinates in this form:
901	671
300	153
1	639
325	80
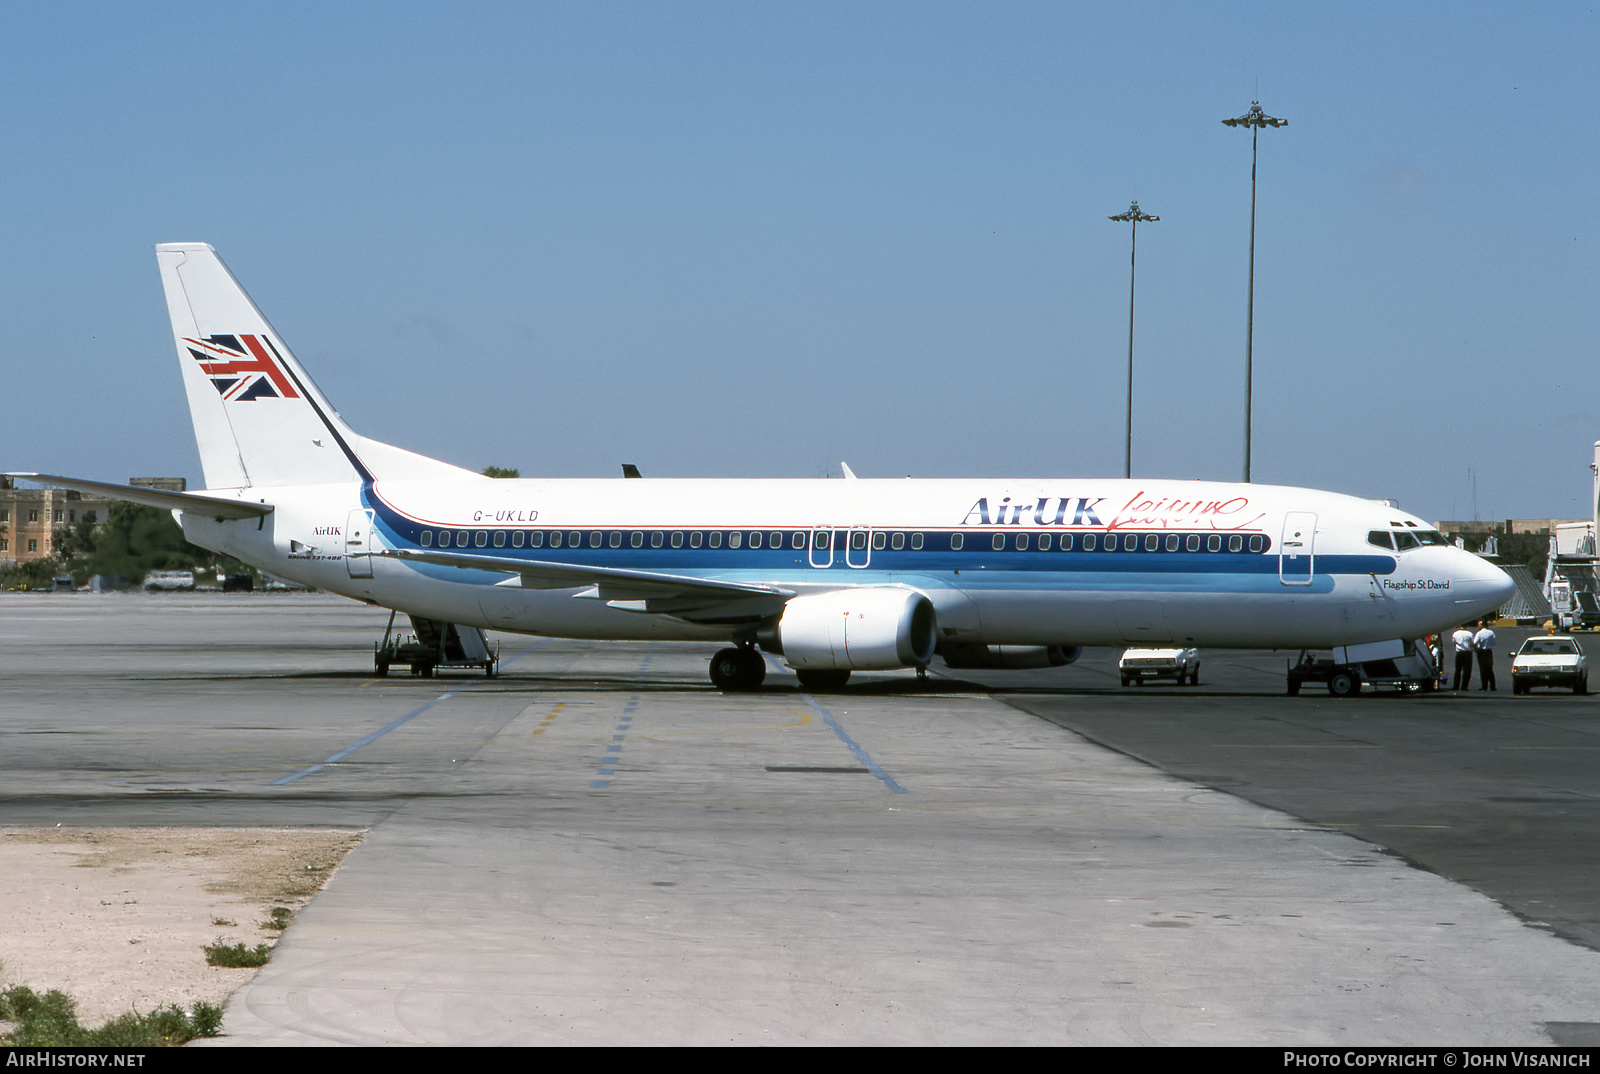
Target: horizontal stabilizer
219	507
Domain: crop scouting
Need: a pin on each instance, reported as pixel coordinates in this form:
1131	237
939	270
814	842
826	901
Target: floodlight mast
1135	217
1255	119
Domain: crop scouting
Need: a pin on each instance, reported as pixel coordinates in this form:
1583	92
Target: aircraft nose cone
1484	587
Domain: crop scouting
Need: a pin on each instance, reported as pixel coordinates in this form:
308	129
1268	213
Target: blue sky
748	239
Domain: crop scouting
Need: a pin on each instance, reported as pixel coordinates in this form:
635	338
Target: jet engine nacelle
871	628
1017	657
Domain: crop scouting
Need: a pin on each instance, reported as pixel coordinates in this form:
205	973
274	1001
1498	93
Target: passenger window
426	540
1044	542
1130	542
635	539
594	538
998	541
956	541
916	542
574	539
555	538
1022	542
695	538
1151	542
735	539
898	542
715	539
755	539
798	540
677	539
536	539
774	539
858	541
1257	542
516	538
1214	543
1089	542
1172	542
615	539
499	538
878	540
482	538
655	538
1191	543
1235	543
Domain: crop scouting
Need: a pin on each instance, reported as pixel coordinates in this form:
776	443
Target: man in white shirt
1463	642
1483	642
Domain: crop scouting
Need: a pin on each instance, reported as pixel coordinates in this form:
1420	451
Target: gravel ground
118	917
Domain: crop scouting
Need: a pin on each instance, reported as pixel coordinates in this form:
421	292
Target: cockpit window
1380	538
1431	537
1404	541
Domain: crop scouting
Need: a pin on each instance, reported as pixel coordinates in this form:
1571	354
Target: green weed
51	1021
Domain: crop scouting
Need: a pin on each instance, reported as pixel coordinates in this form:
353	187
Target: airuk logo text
1049	511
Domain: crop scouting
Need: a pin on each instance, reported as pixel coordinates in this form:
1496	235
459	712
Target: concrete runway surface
599	848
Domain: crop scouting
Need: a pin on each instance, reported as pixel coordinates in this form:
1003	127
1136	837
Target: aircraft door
822	546
1296	551
358	543
858	553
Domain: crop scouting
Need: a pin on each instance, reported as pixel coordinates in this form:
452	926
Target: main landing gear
745	669
738	669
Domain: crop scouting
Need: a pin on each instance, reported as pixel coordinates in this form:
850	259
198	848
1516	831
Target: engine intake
871	628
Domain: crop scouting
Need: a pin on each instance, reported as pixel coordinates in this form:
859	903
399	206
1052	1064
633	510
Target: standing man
1463	643
1483	642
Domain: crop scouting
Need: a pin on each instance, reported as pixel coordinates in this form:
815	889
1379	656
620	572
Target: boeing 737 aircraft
832	575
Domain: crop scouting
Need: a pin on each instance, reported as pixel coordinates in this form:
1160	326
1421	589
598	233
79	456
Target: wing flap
600	583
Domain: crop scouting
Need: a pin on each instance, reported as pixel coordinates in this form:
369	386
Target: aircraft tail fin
259	420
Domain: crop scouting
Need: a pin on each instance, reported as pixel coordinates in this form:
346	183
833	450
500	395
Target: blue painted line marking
401	722
608	766
861	754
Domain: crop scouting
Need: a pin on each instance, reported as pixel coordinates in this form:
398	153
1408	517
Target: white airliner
833	575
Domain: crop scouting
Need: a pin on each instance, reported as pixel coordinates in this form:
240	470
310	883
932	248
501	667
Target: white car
1550	661
1142	665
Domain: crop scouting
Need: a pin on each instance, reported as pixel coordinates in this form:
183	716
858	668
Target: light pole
1134	217
1255	119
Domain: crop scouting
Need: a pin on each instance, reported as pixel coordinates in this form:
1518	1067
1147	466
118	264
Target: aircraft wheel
754	669
725	669
1343	684
738	669
823	678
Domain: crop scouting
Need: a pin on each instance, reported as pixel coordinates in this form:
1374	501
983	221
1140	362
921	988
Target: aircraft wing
218	507
657	592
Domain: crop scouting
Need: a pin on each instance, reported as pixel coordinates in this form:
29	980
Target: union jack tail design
240	367
259	419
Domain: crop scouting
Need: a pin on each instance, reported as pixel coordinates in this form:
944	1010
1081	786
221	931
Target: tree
135	540
501	471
